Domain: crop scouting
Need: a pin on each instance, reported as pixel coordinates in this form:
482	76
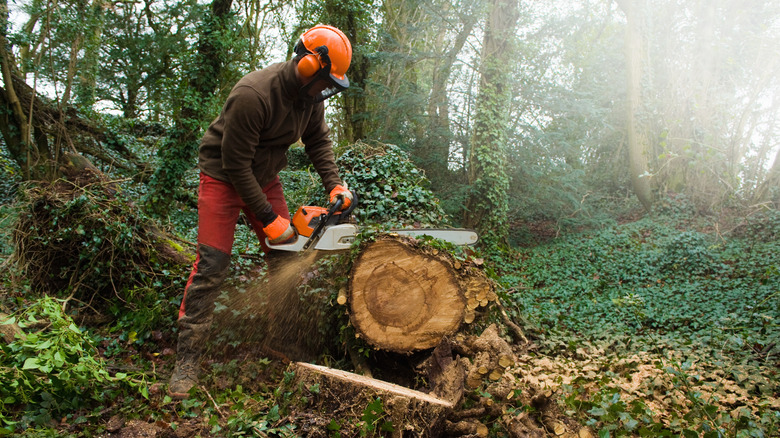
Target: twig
216	406
509	323
179	239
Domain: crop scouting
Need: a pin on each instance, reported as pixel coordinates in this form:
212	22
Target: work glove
280	231
341	192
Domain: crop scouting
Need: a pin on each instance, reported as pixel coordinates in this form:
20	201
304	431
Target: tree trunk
351	17
405	298
434	154
13	121
637	142
770	188
90	62
488	206
179	151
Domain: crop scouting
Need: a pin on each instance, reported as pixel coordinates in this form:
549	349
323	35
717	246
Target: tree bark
90	62
179	151
488	205
436	151
637	142
351	17
13	122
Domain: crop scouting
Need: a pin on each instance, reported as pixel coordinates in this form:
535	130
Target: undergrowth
661	326
85	242
54	372
703	308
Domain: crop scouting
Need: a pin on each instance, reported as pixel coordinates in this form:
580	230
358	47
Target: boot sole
178	395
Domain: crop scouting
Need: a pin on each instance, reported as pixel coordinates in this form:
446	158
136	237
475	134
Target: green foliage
647	286
53	372
375	419
392	191
302	185
249	414
218	36
90	244
670	273
692	415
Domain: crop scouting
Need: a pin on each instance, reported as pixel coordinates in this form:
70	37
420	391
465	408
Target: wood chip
496	375
469	316
342	298
505	361
482	370
457	265
473	382
559	428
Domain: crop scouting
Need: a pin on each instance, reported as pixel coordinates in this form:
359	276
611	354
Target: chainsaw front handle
316	234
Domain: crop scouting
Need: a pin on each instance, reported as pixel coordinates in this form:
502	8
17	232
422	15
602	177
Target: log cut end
402	299
343	394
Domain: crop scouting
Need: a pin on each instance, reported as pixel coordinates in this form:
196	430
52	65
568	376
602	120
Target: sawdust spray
269	312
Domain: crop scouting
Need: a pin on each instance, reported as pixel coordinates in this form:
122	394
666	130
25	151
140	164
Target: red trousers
218	209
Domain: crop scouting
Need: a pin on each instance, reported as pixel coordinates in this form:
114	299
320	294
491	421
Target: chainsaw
331	229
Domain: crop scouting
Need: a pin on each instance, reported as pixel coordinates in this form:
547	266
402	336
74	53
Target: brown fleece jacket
247	144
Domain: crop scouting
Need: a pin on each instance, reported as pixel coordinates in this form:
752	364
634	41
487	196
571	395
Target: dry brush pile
79	237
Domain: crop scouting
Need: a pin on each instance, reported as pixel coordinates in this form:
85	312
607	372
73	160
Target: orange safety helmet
324	52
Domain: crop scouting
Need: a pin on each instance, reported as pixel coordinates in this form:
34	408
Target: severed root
523	426
474	428
518	332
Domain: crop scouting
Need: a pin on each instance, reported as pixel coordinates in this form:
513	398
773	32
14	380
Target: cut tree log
403	299
342	394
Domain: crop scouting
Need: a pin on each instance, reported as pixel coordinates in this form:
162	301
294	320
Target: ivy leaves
393	192
53	371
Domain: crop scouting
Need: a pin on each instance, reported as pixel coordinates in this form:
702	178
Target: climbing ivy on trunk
179	150
488	204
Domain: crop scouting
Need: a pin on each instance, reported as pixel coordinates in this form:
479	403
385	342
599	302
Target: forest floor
653	327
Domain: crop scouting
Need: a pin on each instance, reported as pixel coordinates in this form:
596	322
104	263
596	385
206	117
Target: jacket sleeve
319	148
244	115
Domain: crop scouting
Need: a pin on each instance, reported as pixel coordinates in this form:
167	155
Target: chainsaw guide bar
341	236
333	230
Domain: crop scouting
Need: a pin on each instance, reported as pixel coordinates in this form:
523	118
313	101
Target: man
240	157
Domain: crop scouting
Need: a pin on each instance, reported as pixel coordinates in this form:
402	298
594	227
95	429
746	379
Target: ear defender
309	63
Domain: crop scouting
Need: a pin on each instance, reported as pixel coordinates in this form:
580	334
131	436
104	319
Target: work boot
191	344
195	316
184	377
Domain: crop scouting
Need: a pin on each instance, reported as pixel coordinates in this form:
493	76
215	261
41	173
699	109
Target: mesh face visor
334	85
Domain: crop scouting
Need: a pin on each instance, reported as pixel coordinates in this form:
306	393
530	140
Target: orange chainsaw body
306	219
